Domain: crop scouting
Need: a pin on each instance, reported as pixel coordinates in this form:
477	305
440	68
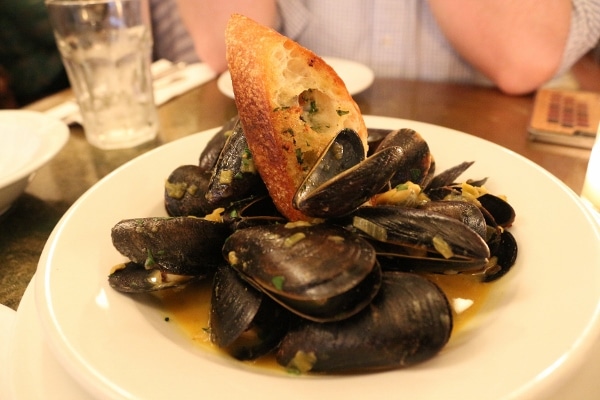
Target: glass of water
106	47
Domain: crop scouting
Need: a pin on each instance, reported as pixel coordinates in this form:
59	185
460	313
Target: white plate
542	324
28	140
356	76
31	369
8	317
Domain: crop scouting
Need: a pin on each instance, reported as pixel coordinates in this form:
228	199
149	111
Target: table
480	111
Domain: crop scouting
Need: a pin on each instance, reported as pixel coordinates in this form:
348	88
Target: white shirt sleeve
584	33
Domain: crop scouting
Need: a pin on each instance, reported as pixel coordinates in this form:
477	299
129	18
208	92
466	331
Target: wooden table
483	112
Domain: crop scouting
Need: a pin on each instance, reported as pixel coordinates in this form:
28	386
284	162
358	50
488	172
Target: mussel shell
416	160
233	306
448	176
468	213
321	272
348	190
234	176
251	212
135	278
396	258
499	211
179	245
417	228
505	255
408	322
185	191
242	320
210	154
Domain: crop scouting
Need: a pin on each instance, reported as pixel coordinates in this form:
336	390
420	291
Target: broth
189	307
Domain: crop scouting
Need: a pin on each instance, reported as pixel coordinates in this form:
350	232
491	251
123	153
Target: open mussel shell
448	176
210	154
242	320
467	213
179	245
251	212
234	175
409	321
341	181
497	210
320	272
504	255
428	239
135	278
417	159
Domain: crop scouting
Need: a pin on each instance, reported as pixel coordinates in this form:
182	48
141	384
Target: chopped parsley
299	156
277	281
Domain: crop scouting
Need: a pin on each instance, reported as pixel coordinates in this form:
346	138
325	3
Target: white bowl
529	340
28	140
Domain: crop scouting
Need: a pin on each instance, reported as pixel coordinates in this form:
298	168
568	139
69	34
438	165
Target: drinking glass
106	48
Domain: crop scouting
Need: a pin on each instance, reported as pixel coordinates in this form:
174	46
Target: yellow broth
189	308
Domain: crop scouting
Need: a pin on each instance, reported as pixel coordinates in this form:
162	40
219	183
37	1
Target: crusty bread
290	102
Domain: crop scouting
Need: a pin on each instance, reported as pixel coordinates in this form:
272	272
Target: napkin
170	80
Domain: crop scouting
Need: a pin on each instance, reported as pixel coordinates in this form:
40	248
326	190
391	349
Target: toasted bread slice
291	104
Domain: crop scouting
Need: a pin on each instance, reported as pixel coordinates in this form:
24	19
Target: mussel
234	176
423	240
409	321
131	277
416	162
321	272
185	190
242	320
179	245
342	180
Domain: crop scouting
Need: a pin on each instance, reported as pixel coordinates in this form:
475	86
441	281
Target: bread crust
291	104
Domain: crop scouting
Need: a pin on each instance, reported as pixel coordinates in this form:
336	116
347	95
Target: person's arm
206	21
518	44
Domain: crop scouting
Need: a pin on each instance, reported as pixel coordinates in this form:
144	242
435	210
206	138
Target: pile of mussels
345	293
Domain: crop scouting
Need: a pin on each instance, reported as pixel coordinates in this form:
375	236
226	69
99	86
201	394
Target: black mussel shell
321	272
504	256
179	245
242	320
135	278
448	176
421	230
468	213
234	176
498	210
348	190
416	159
251	212
185	191
210	154
408	322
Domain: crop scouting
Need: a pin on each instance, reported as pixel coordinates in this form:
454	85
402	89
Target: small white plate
528	341
356	76
28	140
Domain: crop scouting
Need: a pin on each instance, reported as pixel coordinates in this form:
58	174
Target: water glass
106	47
